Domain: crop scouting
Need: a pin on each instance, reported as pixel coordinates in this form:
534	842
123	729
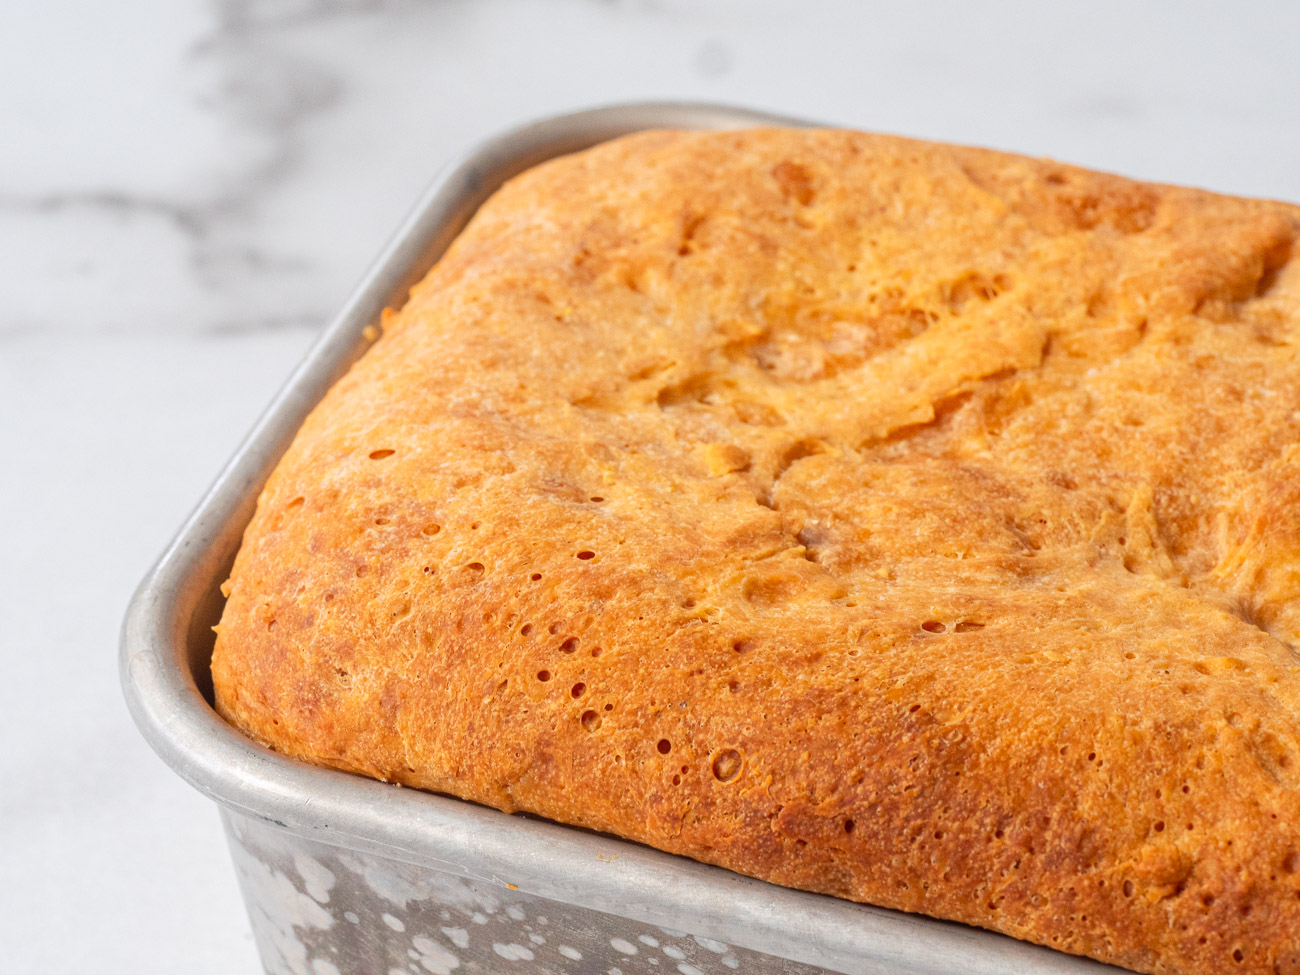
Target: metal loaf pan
346	875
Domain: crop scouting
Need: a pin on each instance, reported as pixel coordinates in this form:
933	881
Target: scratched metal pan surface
344	874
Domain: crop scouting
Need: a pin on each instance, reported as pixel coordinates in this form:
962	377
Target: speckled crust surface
911	523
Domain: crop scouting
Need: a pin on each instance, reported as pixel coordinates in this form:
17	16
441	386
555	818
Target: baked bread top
912	523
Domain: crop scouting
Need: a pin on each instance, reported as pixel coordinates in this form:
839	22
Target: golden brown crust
912	523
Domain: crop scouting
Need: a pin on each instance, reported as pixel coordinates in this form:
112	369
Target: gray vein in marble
251	259
266	91
230	328
191	221
1105	105
263	92
238	15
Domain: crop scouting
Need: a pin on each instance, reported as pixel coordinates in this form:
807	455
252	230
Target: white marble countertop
187	191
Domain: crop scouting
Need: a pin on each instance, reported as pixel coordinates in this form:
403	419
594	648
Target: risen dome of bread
912	523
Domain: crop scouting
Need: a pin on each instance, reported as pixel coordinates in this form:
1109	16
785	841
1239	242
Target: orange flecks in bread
911	523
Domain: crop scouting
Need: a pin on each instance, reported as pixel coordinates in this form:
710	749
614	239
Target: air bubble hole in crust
726	765
431	529
664	746
578	689
849	825
590	720
381	454
543	675
569	645
933	626
586	555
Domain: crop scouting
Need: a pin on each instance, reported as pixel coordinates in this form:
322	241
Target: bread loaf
910	523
